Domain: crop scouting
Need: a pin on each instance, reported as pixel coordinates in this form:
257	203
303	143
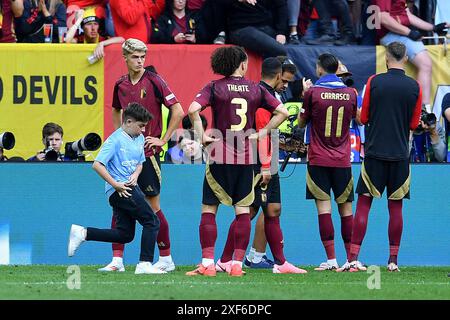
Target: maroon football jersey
330	112
234	101
151	91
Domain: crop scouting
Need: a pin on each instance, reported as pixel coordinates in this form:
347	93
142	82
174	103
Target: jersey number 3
329	120
241	112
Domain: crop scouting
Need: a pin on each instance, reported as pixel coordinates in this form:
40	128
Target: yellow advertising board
49	83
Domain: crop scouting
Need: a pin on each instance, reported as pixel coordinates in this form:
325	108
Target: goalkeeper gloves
439	28
415	35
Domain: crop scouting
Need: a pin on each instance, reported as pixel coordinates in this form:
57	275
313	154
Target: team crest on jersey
143	93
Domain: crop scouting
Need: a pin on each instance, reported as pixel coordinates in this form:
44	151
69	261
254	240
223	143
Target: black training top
391	108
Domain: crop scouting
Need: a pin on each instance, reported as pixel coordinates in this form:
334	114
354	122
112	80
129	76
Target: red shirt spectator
396	9
132	17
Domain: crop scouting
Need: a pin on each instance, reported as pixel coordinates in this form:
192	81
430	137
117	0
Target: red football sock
208	234
346	232
227	254
241	236
274	237
359	225
327	234
116	247
163	239
395	228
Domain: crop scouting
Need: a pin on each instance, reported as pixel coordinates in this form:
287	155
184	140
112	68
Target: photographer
52	135
446	114
428	140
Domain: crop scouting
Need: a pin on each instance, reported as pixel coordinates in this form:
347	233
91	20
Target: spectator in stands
2	156
259	26
74	5
6	19
293	14
187	150
52	138
399	24
176	25
90	25
326	9
31	15
210	20
132	18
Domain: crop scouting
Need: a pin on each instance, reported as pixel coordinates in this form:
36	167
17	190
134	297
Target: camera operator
428	140
52	138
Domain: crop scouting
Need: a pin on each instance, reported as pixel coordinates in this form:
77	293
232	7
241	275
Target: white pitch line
363	283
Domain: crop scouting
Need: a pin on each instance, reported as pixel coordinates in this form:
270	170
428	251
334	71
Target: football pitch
55	282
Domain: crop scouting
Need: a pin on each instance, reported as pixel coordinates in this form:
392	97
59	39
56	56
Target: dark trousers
258	39
325	9
127	211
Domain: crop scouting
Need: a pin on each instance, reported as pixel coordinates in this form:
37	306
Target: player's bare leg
165	261
274	237
326	230
424	67
208	237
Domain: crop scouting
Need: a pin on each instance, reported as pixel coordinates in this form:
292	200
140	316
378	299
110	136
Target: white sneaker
327	266
345	267
113	266
76	237
392	267
147	268
165	266
356	266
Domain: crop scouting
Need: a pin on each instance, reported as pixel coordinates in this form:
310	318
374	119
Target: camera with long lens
292	141
429	119
74	150
7	140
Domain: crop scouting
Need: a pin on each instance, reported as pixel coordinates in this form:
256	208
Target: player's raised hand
122	190
207	139
151	142
306	84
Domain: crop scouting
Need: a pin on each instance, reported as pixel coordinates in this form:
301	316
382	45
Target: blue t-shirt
121	154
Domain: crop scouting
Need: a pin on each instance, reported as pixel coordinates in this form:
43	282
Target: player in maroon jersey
229	176
151	91
330	106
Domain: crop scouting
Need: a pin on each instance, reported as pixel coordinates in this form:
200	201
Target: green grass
49	282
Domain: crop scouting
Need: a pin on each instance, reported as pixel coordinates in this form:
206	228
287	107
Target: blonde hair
131	45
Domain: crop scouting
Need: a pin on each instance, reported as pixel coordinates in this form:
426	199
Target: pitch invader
330	106
229	176
150	90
